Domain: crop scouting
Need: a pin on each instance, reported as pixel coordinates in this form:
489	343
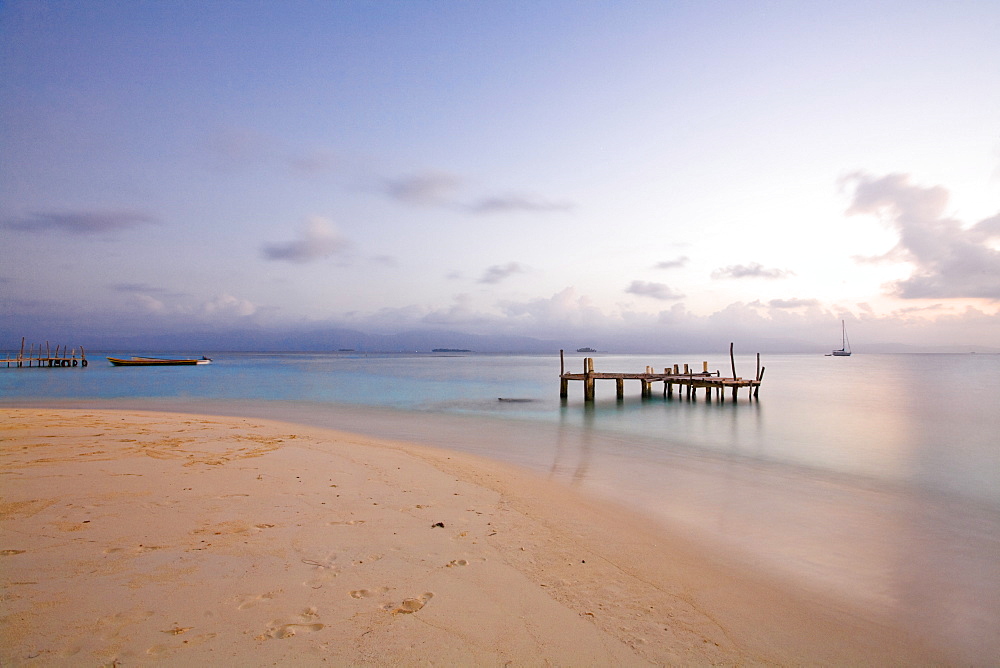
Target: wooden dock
61	357
688	381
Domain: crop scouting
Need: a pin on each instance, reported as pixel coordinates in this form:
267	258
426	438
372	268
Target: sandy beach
141	538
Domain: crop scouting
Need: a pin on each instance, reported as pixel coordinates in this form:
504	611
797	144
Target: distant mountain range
319	340
329	339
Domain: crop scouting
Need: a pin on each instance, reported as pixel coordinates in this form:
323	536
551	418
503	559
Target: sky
627	175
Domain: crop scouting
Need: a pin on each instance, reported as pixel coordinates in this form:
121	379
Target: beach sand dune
137	538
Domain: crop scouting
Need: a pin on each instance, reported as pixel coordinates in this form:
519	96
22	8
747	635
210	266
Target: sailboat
845	344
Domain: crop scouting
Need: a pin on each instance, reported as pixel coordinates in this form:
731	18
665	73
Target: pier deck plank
691	380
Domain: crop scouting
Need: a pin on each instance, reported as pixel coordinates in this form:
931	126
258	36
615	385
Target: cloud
441	189
81	222
792	303
460	313
752	270
151	304
949	261
317	240
516	203
497	272
138	288
427	189
676	263
385	260
930	308
227	305
239	149
220	308
987	230
654	290
547	316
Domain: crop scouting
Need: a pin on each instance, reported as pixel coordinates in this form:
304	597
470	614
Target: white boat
845	345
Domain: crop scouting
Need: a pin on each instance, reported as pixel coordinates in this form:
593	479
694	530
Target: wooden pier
688	381
61	357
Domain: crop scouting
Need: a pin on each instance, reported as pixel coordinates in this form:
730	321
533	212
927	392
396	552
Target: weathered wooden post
620	388
563	383
704	367
588	382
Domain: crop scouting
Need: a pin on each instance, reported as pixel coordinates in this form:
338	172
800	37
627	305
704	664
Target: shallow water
874	479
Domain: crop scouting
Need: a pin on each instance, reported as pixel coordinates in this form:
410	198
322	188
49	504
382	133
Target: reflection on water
872	478
919	555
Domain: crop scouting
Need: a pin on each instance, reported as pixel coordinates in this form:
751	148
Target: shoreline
147	517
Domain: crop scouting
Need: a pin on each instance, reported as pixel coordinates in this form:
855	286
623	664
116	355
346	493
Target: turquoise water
874	478
925	420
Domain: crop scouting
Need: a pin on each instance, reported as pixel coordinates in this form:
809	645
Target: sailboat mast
845	345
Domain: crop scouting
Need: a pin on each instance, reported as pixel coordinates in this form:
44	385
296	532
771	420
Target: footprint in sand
464	562
288	630
282	630
113	626
251	601
368	593
411	605
324	571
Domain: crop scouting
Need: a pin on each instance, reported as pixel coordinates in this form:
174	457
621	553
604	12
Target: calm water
874	478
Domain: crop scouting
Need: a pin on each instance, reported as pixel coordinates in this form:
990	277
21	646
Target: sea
873	480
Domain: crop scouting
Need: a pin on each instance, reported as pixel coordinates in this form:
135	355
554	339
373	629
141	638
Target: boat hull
154	361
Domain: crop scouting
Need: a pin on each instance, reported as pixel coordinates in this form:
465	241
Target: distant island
585	350
450	350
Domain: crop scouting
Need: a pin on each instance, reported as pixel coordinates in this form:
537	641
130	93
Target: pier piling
63	356
688	381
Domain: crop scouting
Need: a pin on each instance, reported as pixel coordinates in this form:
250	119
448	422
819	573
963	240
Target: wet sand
135	537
